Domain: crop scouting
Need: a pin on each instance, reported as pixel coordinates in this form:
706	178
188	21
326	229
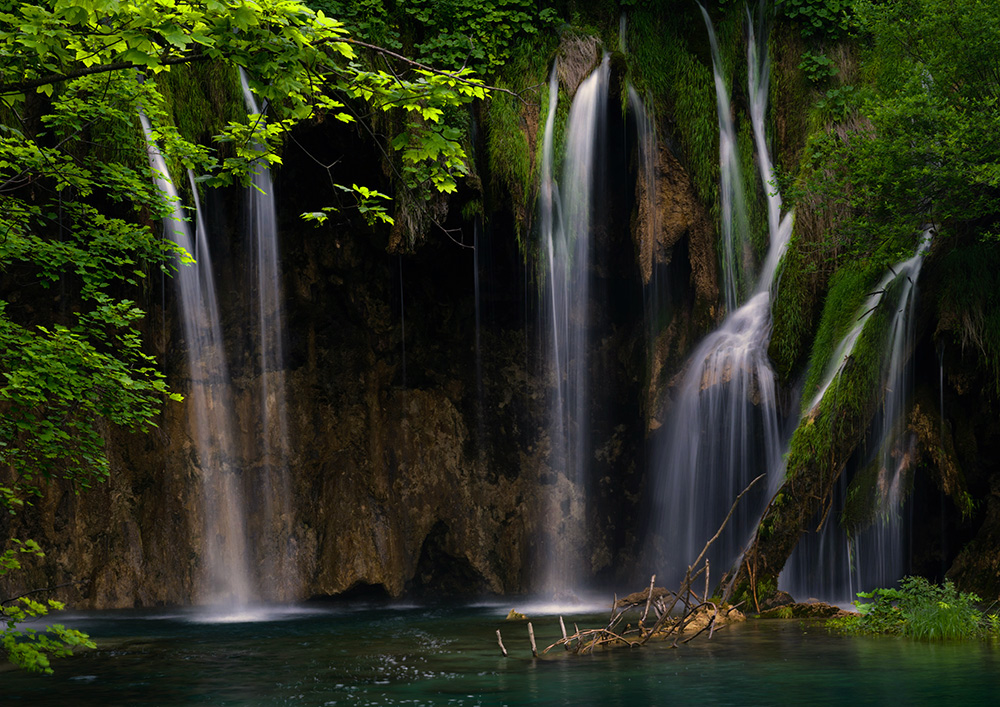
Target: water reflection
438	656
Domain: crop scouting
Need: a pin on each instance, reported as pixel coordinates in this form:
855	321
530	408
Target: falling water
646	132
836	564
275	545
909	269
566	210
735	222
723	427
656	296
480	420
225	581
943	534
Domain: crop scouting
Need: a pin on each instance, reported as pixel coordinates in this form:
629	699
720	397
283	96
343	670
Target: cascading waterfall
834	564
566	210
723	428
480	420
736	259
275	539
226	578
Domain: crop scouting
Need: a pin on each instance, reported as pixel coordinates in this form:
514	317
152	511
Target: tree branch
425	67
22	86
11	600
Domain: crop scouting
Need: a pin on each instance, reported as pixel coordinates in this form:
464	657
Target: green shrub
817	67
819	18
920	609
838	104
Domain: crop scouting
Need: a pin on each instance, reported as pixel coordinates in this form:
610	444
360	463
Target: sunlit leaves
27	647
368	203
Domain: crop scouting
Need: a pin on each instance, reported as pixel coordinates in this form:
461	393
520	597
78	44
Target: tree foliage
77	206
920	142
28	647
481	34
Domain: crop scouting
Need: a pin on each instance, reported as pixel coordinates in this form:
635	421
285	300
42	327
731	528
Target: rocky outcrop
670	224
578	55
674	213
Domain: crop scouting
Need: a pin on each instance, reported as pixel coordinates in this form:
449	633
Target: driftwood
681	616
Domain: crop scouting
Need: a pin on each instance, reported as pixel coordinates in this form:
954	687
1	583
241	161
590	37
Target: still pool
378	655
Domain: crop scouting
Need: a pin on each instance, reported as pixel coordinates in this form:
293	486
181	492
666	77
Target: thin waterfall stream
566	218
275	539
735	225
226	580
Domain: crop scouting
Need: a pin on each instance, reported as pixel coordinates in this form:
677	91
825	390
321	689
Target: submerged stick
500	642
531	635
649	598
686	584
562	625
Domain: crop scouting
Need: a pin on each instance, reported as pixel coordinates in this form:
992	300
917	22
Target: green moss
120	142
202	99
664	63
508	150
795	308
849	288
826	437
753	191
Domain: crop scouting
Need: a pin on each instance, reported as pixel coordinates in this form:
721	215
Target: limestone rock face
578	56
673	213
671	226
414	465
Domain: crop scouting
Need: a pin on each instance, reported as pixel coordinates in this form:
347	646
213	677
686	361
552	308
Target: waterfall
910	268
225	571
736	260
656	293
646	133
480	396
566	210
723	428
837	564
275	545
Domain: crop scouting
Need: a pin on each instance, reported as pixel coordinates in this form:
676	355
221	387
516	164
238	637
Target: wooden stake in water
531	635
649	598
500	642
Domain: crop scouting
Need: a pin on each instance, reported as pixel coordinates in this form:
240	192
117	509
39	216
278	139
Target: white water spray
566	212
275	545
225	573
835	565
723	428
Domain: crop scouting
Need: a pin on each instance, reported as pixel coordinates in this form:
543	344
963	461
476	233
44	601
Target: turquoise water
449	656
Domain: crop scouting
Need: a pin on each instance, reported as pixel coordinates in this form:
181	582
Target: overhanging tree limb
22	86
425	67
